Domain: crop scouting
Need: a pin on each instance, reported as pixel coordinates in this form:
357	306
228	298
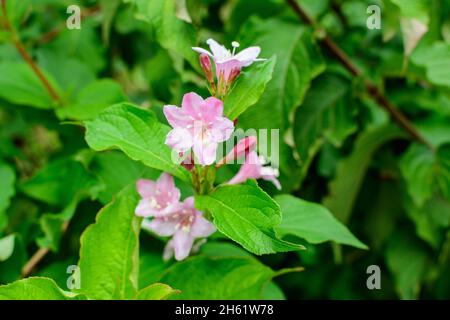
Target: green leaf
109	10
115	170
137	133
156	291
109	253
431	220
436	60
35	289
414	9
20	85
352	170
7	191
171	32
7	247
89	103
407	260
220	278
312	222
426	172
248	88
320	114
247	215
59	182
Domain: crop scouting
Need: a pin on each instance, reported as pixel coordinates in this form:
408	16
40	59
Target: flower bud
205	63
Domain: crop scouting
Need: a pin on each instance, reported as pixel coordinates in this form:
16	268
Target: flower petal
182	243
247	56
146	208
221	129
179	139
205	152
202	228
146	188
212	109
163	227
192	105
176	117
226	67
220	52
274	180
249	170
201	50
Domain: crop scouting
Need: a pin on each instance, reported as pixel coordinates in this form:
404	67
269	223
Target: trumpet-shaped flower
229	63
253	168
199	125
159	198
242	148
184	226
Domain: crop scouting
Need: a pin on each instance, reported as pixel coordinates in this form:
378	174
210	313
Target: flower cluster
161	201
198	127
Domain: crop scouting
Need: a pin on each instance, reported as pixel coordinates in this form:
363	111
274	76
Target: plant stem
39	255
374	92
22	51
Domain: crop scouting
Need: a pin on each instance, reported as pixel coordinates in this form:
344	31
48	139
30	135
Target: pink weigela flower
199	125
228	64
159	198
253	168
184	226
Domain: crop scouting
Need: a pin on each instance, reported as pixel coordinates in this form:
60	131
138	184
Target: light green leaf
426	172
248	88
137	133
35	289
7	247
109	253
89	103
247	215
436	60
312	222
156	291
352	170
414	9
20	85
220	278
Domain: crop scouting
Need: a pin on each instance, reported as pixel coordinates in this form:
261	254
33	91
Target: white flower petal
247	56
220	52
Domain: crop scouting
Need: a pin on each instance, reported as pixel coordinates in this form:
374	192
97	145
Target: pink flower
199	125
242	148
253	168
185	226
159	198
229	64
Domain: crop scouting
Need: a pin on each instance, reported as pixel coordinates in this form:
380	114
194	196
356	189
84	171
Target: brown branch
22	51
374	92
39	255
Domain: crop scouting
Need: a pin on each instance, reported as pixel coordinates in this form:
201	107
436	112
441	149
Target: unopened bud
188	161
205	63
